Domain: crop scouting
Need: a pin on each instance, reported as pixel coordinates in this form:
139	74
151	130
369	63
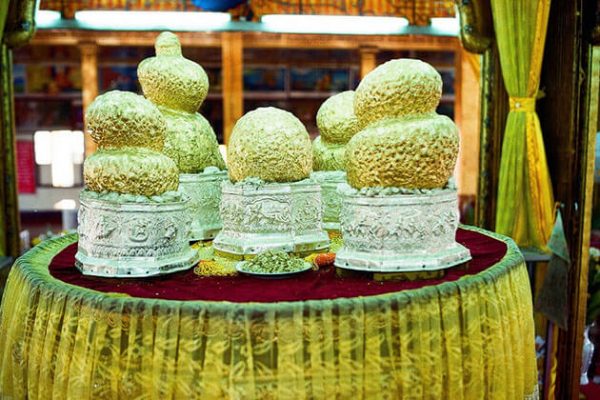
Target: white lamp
340	24
156	20
62	159
448	26
46	18
42	144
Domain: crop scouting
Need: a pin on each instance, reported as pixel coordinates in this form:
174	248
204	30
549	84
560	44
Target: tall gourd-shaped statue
269	202
400	211
337	125
132	220
178	87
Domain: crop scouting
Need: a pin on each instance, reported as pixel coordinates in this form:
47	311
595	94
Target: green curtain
525	208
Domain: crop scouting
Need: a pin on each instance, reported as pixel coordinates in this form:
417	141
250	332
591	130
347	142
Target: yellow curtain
468	339
525	200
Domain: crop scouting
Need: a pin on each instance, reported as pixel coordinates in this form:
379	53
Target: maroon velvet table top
311	285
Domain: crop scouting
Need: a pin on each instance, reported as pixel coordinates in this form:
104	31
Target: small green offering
274	262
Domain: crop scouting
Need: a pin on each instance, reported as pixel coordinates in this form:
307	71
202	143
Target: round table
469	335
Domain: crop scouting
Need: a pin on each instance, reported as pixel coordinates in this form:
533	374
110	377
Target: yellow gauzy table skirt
468	339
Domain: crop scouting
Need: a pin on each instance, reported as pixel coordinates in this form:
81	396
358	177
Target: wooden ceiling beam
251	40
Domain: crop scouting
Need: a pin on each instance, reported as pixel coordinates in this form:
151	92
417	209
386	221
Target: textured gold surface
270	144
138	171
191	142
328	156
336	119
171	80
118	119
418	152
397	88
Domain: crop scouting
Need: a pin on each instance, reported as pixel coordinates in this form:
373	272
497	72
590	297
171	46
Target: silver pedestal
204	191
133	239
331	199
400	232
273	216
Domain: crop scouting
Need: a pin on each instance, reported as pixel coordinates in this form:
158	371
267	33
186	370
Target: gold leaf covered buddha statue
404	142
337	124
269	144
132	220
270	203
178	87
400	209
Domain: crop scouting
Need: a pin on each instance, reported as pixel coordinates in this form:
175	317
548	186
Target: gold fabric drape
468	339
525	208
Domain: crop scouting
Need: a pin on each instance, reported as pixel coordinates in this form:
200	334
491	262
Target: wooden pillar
89	82
232	54
368	60
467	111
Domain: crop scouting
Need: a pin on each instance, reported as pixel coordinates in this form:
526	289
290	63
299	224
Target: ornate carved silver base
272	216
331	199
204	191
400	232
133	239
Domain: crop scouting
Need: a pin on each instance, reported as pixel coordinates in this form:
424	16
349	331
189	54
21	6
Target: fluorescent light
341	24
61	150
77	146
152	20
46	18
449	26
62	159
42	144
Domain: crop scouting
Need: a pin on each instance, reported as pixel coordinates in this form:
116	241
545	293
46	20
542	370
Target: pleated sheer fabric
525	207
468	339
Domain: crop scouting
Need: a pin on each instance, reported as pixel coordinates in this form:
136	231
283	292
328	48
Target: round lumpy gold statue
191	142
117	119
169	79
179	86
328	156
404	143
130	131
337	124
417	153
397	88
132	170
336	120
269	144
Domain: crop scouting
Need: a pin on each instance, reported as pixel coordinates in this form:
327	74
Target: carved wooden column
89	82
232	51
368	60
